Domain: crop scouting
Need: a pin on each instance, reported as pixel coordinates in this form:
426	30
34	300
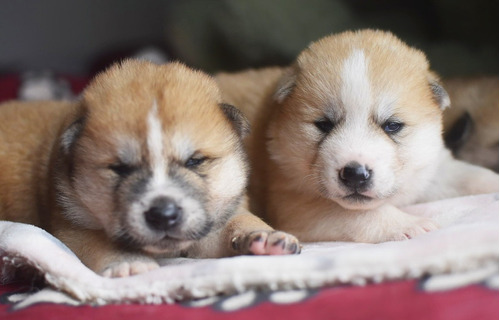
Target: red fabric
8	87
397	300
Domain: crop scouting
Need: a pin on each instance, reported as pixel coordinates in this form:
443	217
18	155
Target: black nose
163	214
354	175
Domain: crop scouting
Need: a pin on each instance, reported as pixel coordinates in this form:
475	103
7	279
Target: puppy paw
266	243
410	228
129	268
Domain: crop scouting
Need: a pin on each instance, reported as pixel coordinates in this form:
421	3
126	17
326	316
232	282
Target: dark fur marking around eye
324	125
180	179
194	162
138	187
122	172
122	169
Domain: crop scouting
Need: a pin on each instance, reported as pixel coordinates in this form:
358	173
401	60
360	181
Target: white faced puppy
348	134
149	162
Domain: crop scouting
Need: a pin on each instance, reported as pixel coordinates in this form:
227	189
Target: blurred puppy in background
471	125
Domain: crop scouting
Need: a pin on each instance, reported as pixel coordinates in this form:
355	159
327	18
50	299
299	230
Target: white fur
356	92
357	139
155	146
229	182
365	147
422	151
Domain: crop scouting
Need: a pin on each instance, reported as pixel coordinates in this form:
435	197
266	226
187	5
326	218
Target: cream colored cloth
463	251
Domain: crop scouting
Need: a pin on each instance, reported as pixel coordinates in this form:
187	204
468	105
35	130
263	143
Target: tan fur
478	141
294	164
59	171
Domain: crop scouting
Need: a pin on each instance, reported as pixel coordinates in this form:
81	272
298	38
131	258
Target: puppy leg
128	265
245	234
104	257
386	223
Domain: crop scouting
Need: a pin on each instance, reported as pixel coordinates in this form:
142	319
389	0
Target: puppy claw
266	243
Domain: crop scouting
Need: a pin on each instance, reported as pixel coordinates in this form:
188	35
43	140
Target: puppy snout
355	175
163	214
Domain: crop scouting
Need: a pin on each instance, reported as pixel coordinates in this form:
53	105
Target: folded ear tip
439	94
285	85
237	118
70	135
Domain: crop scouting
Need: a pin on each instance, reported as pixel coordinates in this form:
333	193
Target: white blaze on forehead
356	92
155	146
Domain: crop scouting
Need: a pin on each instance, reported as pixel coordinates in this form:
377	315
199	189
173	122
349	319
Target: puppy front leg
100	254
386	223
246	234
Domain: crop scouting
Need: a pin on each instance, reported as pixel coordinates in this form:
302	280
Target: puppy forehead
366	69
119	103
174	133
384	50
125	92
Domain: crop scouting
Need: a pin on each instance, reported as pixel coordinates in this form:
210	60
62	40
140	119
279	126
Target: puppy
149	162
471	126
346	136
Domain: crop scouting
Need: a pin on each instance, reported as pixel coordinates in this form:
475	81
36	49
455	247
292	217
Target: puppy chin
179	245
351	200
358	202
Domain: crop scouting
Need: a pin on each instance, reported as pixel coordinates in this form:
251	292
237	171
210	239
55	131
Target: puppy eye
194	162
392	127
122	169
324	125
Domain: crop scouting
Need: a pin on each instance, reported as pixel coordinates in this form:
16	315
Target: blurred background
81	37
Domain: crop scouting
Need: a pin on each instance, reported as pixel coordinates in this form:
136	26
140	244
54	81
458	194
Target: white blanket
463	251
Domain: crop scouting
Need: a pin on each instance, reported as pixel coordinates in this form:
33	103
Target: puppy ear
459	132
239	121
71	134
438	92
285	84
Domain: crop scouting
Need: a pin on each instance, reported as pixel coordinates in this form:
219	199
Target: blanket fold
463	251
